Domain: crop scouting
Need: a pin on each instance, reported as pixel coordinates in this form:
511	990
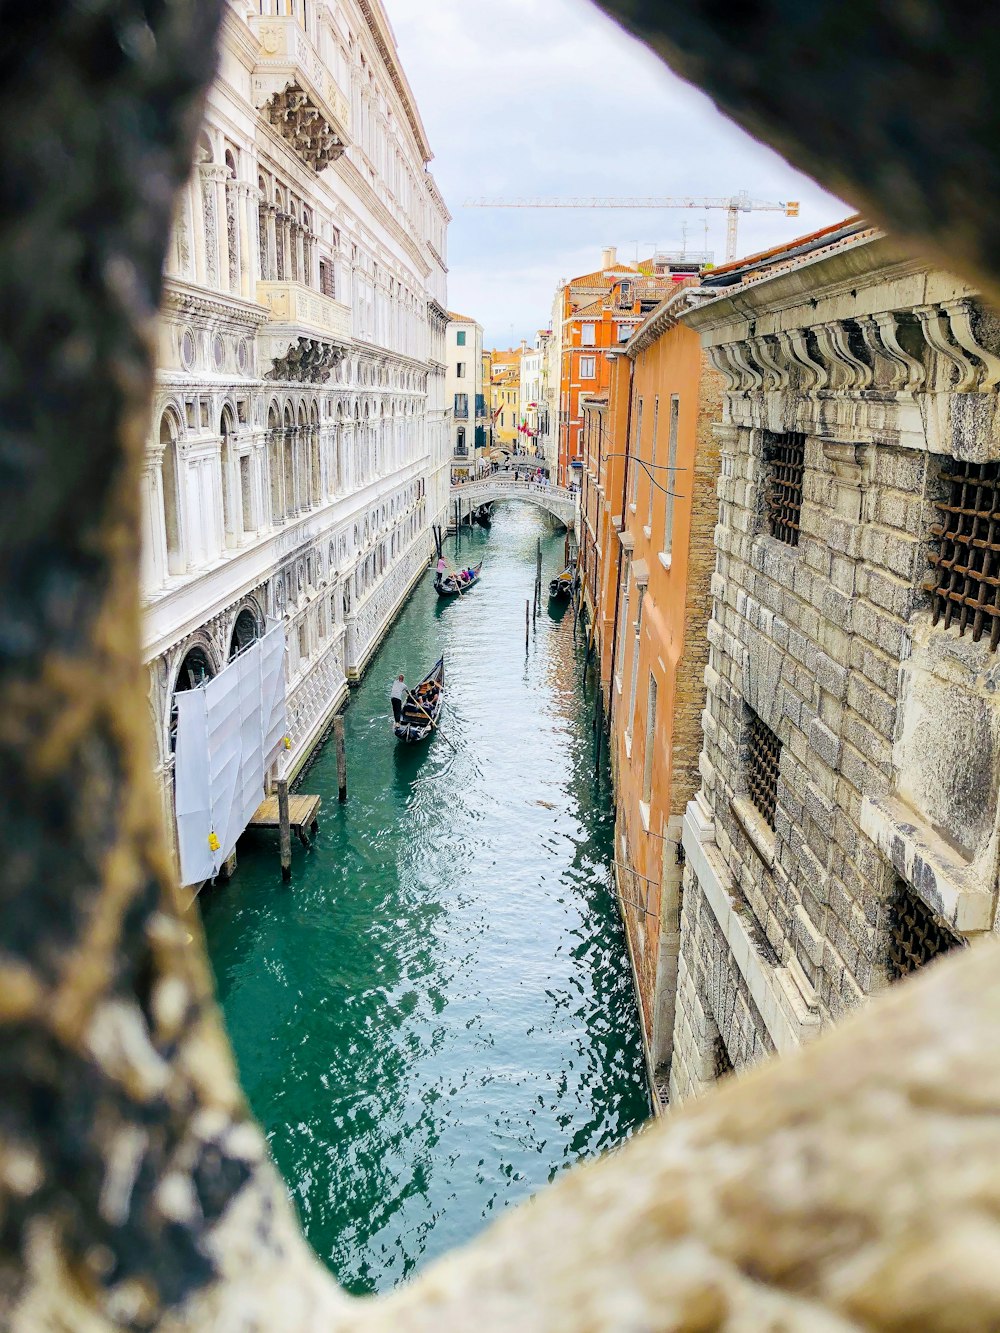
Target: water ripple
436	1017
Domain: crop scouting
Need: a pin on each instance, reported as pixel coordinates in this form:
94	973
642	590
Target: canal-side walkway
436	1016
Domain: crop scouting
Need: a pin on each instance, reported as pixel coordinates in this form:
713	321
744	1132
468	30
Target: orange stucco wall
674	576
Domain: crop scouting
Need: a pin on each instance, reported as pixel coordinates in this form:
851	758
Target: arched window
315	462
288	460
171	485
227	430
196	668
245	632
274	465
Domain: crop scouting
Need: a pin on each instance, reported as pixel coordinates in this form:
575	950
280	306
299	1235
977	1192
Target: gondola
562	584
422	707
451	587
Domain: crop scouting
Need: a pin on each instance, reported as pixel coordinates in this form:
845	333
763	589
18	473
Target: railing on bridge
507	483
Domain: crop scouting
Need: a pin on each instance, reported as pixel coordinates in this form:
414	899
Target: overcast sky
549	97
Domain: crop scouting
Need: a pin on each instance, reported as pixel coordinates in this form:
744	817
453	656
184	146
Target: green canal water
436	1017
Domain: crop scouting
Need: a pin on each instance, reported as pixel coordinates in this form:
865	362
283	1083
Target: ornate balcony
307	334
296	92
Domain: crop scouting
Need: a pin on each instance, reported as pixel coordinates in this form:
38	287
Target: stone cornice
664	317
813	278
439	258
186	298
385	49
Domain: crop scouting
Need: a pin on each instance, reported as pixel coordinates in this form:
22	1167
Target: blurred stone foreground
853	1186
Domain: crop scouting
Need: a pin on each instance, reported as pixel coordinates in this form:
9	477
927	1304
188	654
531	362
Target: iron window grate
786	458
763	761
721	1063
916	935
966	586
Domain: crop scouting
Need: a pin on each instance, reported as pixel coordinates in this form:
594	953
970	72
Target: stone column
195	199
235	235
213	212
249	215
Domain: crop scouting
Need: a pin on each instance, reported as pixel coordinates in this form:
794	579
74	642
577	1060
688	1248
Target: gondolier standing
397	695
442	569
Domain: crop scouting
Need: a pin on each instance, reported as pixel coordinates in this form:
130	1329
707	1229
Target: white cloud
549	99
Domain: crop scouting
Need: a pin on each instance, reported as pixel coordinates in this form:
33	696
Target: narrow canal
436	1017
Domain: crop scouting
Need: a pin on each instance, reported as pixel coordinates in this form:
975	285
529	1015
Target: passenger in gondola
397	695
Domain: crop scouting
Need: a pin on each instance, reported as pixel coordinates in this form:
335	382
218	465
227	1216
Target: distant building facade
505	398
596	314
846	831
299	452
532	402
465	395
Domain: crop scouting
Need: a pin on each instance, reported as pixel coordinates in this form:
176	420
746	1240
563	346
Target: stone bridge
557	501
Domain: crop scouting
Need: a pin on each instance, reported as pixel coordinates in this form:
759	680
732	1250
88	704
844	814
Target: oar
417	704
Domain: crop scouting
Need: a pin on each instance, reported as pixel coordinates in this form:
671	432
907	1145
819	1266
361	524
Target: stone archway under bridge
557	501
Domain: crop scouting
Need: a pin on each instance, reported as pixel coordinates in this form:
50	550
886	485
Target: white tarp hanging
228	733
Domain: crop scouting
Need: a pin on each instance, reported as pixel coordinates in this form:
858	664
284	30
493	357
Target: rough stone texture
829	641
124	1139
851	1187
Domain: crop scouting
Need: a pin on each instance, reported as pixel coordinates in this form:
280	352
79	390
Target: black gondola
451	586
422	707
562	584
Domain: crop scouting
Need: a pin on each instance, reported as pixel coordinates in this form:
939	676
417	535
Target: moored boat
453	585
562	584
422	707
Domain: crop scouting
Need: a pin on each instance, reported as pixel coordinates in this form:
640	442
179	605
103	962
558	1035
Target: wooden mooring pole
338	736
284	830
527	624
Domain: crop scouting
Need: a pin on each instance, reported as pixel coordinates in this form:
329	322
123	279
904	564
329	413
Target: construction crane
734	205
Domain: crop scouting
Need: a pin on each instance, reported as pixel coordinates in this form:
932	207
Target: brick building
647	518
597	313
846	829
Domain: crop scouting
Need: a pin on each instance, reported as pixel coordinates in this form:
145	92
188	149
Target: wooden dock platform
303	815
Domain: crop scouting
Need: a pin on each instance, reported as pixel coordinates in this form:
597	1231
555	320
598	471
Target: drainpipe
618	565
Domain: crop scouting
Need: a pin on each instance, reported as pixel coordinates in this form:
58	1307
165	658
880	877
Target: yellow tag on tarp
213	841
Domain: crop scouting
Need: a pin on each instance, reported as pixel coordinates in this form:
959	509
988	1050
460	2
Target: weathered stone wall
718	1026
816	638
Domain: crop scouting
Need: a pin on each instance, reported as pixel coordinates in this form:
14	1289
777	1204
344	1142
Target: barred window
916	935
763	757
721	1063
966	584
785	456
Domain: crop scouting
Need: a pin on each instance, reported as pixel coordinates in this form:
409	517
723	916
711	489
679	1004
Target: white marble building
299	450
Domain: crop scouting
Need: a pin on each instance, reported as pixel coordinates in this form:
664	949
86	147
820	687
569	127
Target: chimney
609	257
